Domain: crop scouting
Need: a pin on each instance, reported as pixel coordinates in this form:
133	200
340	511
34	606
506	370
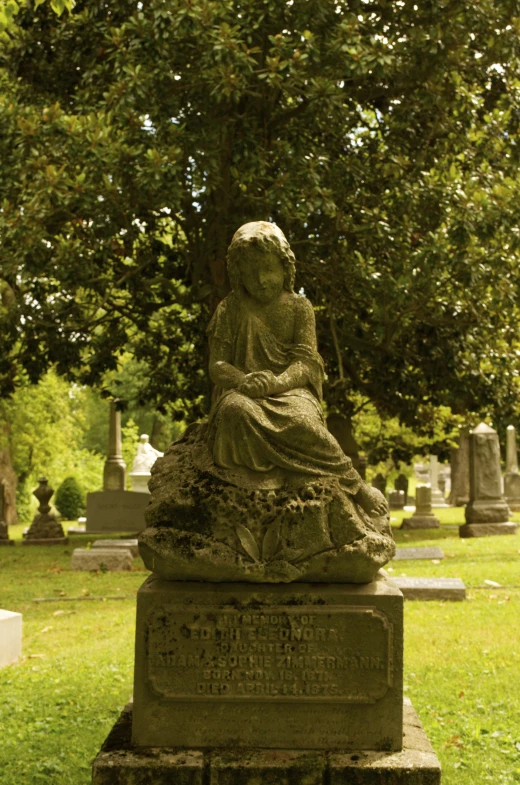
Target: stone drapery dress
285	431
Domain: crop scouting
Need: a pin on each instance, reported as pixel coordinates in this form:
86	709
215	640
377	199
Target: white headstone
10	637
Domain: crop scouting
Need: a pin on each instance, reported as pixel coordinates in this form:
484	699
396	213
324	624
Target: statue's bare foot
372	501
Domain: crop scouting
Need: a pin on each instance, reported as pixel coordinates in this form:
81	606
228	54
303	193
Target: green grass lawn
462	660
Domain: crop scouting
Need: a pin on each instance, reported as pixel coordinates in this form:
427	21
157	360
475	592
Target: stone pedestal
438	499
121	762
487	512
116	511
459	495
423	517
10	637
140	481
291	666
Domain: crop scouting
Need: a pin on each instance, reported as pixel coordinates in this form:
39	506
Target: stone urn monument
267	635
45	528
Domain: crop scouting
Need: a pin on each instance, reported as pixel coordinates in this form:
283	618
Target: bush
69	499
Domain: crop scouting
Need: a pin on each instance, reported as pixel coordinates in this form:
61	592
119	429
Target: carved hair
268	237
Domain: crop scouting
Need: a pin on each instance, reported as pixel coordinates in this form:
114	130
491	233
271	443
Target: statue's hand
258	384
372	501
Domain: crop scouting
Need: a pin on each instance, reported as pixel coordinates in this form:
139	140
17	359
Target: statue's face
262	274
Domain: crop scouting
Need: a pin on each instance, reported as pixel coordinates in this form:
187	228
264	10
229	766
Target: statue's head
260	235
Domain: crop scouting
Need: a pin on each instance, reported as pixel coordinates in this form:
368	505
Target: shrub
69	499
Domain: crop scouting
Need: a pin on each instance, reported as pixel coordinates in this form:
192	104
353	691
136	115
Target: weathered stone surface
298	665
262	491
110	559
423	517
129	545
10	637
201	527
410	554
416	764
431	588
487	529
116	511
120	763
487	504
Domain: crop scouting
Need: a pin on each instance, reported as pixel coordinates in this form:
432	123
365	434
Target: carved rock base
487	529
119	761
299	666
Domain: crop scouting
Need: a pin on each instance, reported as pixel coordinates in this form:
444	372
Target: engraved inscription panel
334	654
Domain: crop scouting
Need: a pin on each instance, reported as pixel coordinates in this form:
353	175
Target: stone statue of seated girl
263	491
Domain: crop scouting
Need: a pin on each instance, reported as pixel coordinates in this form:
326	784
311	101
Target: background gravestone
487	512
437	496
423	517
401	484
459	495
45	528
115	509
422	473
511	476
396	500
379	482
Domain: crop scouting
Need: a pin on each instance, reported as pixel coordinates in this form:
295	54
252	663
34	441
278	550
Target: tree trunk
8	477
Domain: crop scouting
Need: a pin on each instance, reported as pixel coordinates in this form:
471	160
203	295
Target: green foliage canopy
381	136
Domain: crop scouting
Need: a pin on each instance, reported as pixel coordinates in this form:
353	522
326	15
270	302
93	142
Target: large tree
135	137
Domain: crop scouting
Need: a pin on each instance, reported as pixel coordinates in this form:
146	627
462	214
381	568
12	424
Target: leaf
288	554
271	541
248	542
